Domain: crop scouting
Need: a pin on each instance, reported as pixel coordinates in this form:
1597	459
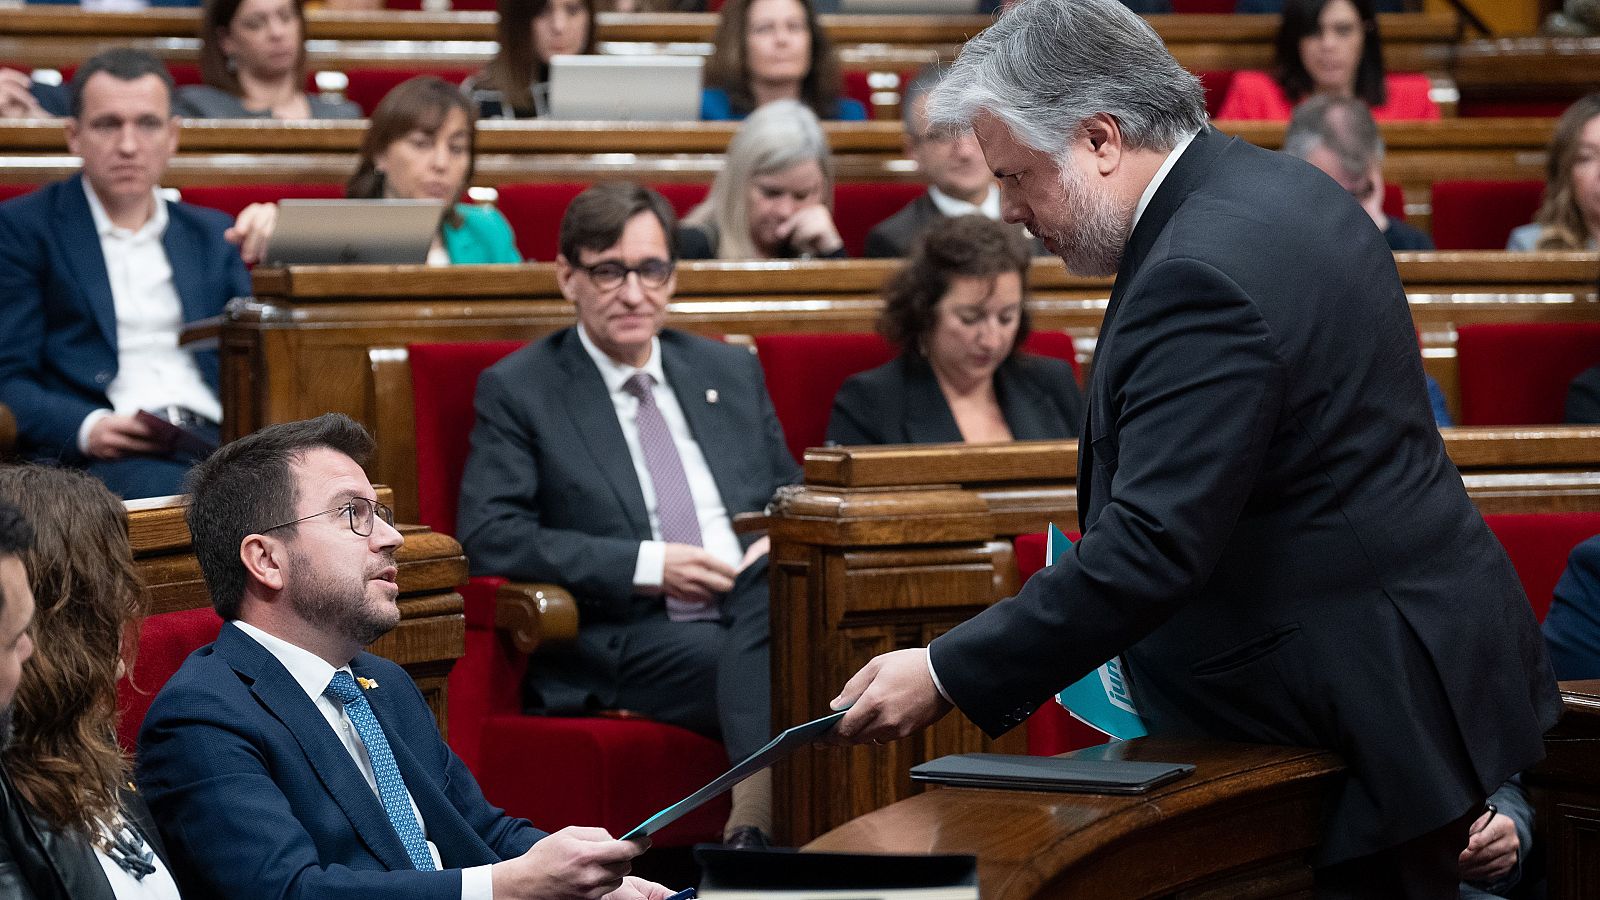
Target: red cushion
1538	544
614	773
1517	373
683	195
1051	730
804	371
1394	201
858	206
1530	109
1479	215
7	191
858	87
165	641
444	380
534	211
233	198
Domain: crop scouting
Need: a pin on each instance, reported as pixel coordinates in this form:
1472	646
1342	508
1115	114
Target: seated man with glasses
98	275
611	457
284	761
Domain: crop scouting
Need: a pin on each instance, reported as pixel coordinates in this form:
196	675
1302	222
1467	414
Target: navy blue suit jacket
1572	627
60	325
257	799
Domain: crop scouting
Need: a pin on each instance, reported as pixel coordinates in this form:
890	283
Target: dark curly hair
962	246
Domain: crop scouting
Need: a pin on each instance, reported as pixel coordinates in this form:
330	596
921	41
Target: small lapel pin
367	684
711	395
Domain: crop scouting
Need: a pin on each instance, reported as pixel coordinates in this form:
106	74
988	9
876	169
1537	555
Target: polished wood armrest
751	523
8	432
201	334
533	614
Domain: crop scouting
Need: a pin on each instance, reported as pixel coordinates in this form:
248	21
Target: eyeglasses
361	510
610	274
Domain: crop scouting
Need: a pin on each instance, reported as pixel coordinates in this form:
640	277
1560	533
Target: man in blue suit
282	761
99	273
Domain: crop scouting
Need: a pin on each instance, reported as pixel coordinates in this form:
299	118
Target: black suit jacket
40	862
895	235
900	402
1273	535
549	492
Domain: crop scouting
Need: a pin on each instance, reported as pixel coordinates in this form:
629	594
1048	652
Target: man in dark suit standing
99	274
611	457
959	183
283	761
1273	535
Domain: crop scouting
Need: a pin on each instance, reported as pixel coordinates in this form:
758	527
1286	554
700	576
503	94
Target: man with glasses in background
284	761
99	274
611	458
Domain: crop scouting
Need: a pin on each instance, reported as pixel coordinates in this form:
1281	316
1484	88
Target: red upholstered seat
805	371
7	191
858	206
1215	82
165	641
1479	215
1517	373
1394	201
1511	109
554	771
369	85
1538	544
233	198
1051	729
534	211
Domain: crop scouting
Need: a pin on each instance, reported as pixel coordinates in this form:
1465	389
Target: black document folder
1048	773
742	874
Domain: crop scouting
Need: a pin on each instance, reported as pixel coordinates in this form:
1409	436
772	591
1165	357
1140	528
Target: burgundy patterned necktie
675	510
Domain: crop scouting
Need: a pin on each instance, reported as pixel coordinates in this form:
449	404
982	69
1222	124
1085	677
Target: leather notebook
1048	773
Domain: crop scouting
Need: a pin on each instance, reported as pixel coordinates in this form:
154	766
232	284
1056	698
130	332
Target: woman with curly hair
72	827
957	311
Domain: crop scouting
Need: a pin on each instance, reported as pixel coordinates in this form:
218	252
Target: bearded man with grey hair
1273	536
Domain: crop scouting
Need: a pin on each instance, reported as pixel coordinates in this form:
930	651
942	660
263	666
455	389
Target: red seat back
233	198
369	85
1051	729
858	206
1215	82
804	371
444	380
1538	544
165	641
1517	373
1479	215
1394	201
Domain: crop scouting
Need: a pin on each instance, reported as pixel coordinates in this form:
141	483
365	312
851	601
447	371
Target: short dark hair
420	103
247	487
123	64
16	537
595	218
969	246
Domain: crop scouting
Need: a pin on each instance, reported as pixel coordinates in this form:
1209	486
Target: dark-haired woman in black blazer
956	311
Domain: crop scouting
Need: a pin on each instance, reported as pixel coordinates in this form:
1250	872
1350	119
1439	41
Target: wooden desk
885	548
1522	68
431	633
1242	826
321	339
1566	795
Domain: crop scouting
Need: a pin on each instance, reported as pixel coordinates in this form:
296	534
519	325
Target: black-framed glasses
362	512
609	275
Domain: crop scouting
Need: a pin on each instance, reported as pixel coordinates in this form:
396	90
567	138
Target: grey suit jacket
549	491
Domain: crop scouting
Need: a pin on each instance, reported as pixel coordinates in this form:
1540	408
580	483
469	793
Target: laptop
392	232
625	88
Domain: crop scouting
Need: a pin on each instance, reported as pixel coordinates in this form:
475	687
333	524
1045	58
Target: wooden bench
887	547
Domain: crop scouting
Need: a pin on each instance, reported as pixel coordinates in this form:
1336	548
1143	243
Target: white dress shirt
152	370
157	885
716	528
313	673
1144	201
989	208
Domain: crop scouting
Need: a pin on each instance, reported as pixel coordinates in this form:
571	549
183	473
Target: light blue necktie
391	787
